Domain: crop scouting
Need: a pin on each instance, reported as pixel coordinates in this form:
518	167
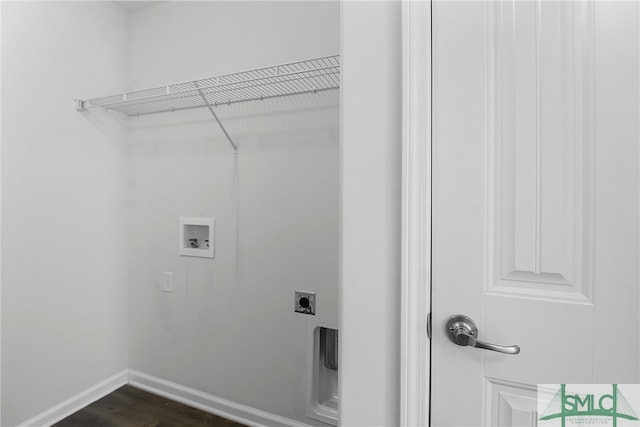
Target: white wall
371	191
64	313
229	329
211	334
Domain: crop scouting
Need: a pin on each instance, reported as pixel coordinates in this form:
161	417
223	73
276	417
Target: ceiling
134	6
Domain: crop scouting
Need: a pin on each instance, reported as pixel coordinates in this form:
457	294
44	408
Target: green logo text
587	406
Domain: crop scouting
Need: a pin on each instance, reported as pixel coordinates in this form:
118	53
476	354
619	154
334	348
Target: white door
535	202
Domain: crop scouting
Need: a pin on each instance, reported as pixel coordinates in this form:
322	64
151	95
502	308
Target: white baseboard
209	403
79	401
174	391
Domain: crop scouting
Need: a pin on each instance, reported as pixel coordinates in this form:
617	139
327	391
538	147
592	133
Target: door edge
416	213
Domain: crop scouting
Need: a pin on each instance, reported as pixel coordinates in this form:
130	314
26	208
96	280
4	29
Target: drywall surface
370	213
64	299
229	328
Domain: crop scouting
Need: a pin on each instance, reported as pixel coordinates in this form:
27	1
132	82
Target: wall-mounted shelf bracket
215	116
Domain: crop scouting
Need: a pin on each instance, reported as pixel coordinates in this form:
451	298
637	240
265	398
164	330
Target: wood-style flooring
132	407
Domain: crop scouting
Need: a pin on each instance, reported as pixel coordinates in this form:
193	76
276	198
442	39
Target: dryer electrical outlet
305	302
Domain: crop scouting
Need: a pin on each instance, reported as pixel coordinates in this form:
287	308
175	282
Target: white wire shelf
295	78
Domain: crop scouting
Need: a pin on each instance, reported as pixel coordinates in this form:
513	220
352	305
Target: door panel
539	125
535	201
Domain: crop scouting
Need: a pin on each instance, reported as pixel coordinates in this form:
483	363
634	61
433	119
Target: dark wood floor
132	407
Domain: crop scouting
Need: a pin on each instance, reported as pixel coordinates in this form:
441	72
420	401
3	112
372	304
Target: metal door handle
463	331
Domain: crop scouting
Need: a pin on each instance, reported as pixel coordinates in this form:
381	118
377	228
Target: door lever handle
462	331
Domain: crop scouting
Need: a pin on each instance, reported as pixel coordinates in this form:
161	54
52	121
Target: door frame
416	213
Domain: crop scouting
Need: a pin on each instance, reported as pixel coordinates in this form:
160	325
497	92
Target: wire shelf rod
212	90
125	97
264	98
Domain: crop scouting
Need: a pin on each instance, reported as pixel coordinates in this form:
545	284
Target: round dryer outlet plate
305	302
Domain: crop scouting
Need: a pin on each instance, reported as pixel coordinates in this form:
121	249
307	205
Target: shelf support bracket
215	116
